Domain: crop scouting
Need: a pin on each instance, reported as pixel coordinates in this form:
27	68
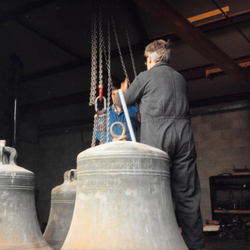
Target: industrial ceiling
46	52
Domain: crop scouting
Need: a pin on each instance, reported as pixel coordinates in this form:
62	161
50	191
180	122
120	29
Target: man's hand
138	115
124	85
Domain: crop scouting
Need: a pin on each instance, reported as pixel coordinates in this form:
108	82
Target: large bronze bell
123	200
19	228
61	210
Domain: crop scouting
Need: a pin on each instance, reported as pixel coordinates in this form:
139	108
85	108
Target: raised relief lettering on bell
125	202
61	210
19	228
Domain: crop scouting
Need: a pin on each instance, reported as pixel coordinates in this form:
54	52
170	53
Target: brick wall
222	141
57	154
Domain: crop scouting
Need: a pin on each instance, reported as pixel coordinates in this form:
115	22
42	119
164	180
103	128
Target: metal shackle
70	175
6	158
104	103
123	128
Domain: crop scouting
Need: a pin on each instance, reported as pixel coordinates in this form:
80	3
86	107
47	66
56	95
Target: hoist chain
108	64
93	56
119	50
103	125
130	50
101	42
94	131
101	119
103	48
108	61
100	125
132	58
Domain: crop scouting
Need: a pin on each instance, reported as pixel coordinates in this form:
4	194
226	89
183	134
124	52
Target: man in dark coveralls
165	124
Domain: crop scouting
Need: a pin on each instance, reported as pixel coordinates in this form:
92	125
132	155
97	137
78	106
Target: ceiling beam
49	39
201	71
230	98
6	16
208	14
225	14
14	15
82	60
215	24
55	70
204	27
133	11
223	22
188	74
177	23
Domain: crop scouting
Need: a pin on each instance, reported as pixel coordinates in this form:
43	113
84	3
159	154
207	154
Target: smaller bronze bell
61	210
19	228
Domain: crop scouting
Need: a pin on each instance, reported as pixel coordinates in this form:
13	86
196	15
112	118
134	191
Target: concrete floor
214	242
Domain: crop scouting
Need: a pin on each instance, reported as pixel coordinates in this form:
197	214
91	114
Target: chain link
119	49
93	55
110	83
103	126
94	131
130	50
100	44
101	120
108	65
100	125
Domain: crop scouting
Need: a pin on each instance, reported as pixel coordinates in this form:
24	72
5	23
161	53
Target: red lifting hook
100	86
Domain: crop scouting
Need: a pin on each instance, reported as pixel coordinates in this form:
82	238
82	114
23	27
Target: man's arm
133	114
133	93
124	85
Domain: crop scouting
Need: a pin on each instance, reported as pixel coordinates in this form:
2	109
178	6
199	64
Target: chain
109	76
100	44
93	56
103	126
119	50
99	125
101	120
130	50
94	131
108	65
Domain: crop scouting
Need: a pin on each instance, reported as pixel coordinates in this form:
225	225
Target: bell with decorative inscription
61	210
19	228
123	200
